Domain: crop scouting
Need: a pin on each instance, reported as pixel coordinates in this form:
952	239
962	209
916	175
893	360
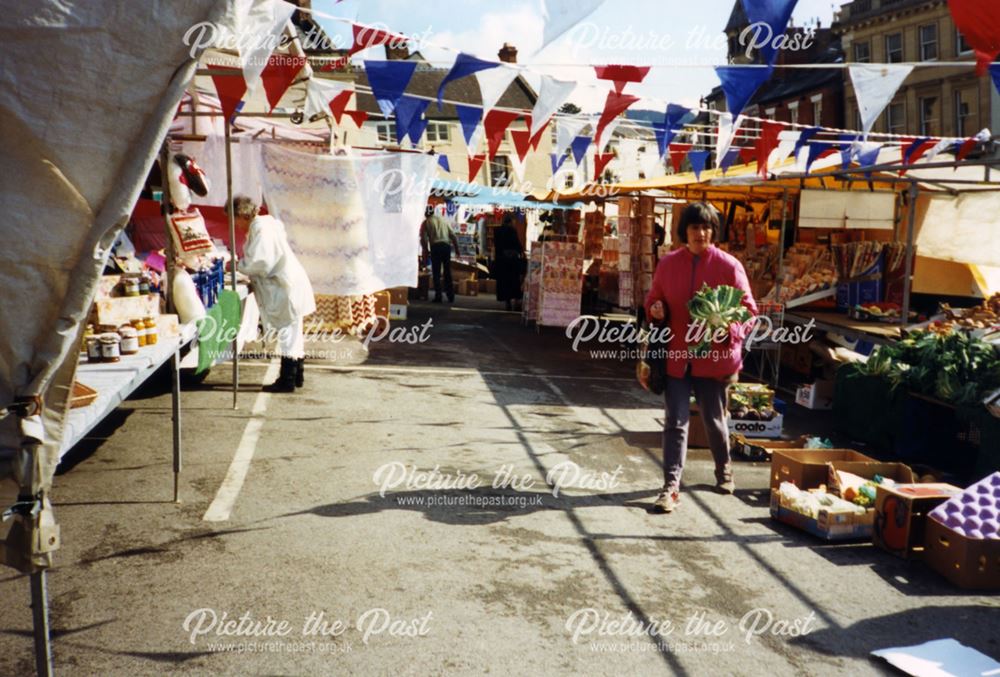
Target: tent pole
232	250
910	234
40	614
175	404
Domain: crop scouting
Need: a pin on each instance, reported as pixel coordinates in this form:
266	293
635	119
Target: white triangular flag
606	134
628	159
786	144
652	165
473	146
258	32
875	85
727	132
567	129
518	166
319	93
493	83
551	95
561	15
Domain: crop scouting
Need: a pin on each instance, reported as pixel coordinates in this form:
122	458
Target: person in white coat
283	290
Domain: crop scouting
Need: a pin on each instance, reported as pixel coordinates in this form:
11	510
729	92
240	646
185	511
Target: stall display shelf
873	332
114	382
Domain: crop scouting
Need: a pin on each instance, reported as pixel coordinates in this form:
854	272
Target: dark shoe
286	379
726	487
300	372
666	502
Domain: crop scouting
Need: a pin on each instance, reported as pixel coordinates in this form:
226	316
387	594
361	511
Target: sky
680	39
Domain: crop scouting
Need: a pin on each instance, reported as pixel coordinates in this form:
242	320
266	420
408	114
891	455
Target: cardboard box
382	303
487	286
807	468
969	563
761	449
901	516
399	295
816	395
829	524
898	472
397	312
749	428
123	309
469	287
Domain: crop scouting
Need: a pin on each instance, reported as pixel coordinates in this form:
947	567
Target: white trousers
292	340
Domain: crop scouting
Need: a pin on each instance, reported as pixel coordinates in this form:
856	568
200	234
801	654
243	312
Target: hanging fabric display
875	85
388	80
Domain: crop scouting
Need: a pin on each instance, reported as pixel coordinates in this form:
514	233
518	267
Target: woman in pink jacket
678	276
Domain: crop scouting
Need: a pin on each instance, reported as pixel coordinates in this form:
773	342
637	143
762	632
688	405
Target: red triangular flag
495	124
359	116
339	103
621	75
230	89
475	163
979	23
522	142
767	142
369	36
333	65
966	148
678	151
747	155
601	161
614	105
537	138
279	74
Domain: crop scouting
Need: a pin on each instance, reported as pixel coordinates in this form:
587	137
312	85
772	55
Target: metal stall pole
175	402
910	235
40	616
175	370
232	251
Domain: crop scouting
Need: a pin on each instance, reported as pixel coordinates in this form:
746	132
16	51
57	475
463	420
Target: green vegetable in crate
717	308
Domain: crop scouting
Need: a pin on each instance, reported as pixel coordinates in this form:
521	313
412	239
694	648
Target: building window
928	42
386	132
863	52
961	46
793	112
963	114
769	113
500	171
928	116
437	132
817	102
894	48
896	118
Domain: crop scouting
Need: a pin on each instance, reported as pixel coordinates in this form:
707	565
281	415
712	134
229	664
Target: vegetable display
751	402
718	308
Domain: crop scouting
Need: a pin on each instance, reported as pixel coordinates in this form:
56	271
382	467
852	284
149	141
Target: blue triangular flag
465	64
697	158
409	110
557	161
912	148
816	149
804	138
388	80
995	74
774	14
868	158
444	164
469	116
740	83
847	142
729	159
674	117
579	146
417	128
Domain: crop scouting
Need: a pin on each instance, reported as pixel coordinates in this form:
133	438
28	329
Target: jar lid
128	332
110	337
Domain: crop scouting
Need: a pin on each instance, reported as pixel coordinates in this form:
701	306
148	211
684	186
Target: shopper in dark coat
508	263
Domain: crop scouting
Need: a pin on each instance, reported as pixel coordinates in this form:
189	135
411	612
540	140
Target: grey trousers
710	395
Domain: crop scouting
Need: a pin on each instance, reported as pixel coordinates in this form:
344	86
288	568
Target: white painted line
225	497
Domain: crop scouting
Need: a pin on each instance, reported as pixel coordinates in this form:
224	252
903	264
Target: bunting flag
767	142
558	16
940	147
388	80
979	23
728	159
652	166
338	104
678	151
805	136
495	124
359	116
465	64
370	36
557	161
537	138
726	134
875	85
698	158
740	84
601	161
567	129
320	95
773	15
621	75
614	105
867	156
848	149
409	111
817	150
607	134
230	89
747	155
552	94
521	138
673	119
963	148
995	75
278	76
914	149
493	83
469	116
788	140
258	31
443	163
475	164
579	148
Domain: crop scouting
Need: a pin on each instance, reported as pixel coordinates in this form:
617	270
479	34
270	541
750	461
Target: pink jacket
678	276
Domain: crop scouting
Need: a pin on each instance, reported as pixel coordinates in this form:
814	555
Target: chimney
508	53
397	50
